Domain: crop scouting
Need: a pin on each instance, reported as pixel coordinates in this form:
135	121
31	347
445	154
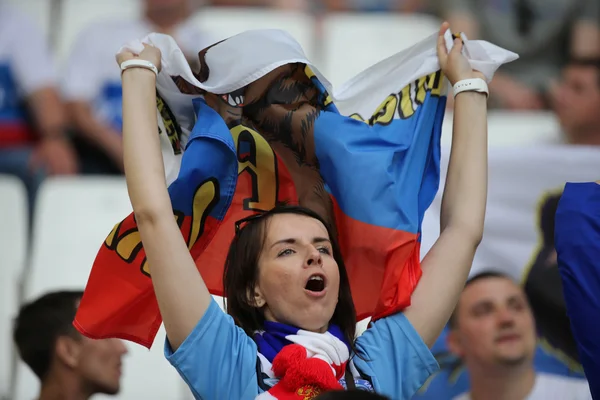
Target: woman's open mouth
315	286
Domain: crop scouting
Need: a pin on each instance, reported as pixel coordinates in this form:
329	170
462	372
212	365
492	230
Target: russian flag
260	127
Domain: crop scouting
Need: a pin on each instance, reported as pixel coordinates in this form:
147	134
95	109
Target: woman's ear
255	298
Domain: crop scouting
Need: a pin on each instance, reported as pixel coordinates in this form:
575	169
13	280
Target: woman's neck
271	318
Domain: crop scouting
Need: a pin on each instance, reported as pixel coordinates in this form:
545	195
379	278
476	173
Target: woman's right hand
150	53
453	63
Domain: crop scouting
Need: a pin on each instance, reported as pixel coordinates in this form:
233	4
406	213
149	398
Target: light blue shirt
219	361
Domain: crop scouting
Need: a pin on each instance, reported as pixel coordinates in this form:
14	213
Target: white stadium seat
13	250
223	22
353	42
73	217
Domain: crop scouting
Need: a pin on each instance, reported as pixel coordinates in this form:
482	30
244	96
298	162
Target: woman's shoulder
216	340
393	355
215	333
387	329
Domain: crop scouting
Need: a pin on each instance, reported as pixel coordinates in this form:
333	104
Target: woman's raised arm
181	293
446	266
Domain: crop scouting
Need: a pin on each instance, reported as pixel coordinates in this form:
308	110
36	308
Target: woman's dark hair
241	274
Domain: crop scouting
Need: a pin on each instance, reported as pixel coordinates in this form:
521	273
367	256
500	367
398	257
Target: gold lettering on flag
406	101
128	244
260	163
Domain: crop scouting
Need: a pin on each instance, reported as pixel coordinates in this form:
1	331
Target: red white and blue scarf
304	364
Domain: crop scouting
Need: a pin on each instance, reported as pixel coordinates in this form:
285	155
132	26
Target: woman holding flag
292	331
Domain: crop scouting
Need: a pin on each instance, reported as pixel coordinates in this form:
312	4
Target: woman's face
298	279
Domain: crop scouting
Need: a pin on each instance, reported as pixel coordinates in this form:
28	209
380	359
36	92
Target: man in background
68	365
492	330
575	100
92	80
33	142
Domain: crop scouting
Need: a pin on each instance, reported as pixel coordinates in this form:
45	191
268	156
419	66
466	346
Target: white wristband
471	85
137	63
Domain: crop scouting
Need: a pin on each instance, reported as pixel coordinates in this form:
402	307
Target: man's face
576	101
494	324
100	364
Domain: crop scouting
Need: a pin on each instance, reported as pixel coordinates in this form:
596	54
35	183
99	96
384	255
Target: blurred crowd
65	121
405	6
68	121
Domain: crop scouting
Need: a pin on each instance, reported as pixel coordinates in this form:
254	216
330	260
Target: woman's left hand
454	64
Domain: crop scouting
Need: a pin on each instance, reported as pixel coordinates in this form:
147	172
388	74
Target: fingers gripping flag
257	126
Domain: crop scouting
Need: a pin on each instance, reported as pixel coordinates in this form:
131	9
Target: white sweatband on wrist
471	85
137	63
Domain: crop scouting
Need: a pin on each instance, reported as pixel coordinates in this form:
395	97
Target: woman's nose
314	258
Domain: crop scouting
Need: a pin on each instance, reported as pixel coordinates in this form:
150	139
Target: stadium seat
224	22
73	217
13	250
509	128
353	42
38	10
78	14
